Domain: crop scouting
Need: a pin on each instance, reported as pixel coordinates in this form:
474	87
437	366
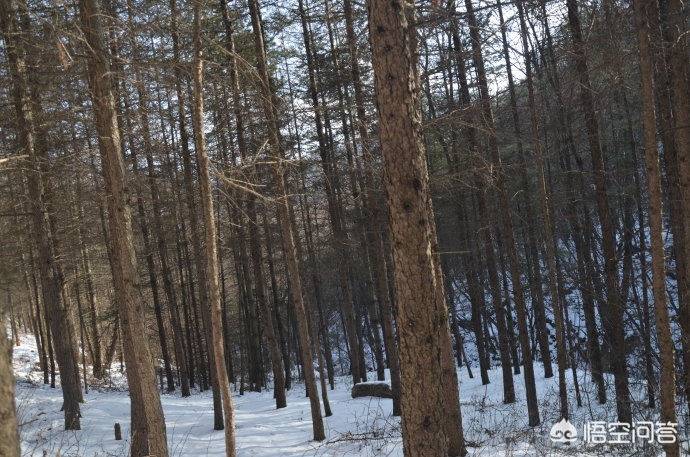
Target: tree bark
216	344
420	302
9	433
373	213
644	9
674	48
52	279
148	423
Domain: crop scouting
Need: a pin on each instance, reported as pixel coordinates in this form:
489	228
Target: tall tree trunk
373	213
674	48
586	273
534	264
289	242
613	317
504	343
644	9
153	281
194	228
417	285
184	361
52	279
96	343
550	240
148	423
506	222
265	307
339	235
216	344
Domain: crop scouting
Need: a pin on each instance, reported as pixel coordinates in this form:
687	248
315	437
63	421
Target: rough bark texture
9	434
422	318
148	423
674	42
373	214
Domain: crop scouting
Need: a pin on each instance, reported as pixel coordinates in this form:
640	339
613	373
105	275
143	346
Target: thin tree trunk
153	281
536	280
194	228
265	307
644	9
340	239
216	344
550	240
506	222
674	48
504	343
289	242
614	314
96	344
582	246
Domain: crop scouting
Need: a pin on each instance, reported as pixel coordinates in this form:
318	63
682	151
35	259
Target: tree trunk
613	317
674	48
265	307
506	222
96	344
422	334
585	267
148	423
644	9
373	214
9	433
533	253
289	242
51	276
549	235
340	239
216	344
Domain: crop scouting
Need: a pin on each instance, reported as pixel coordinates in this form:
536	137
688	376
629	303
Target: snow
359	427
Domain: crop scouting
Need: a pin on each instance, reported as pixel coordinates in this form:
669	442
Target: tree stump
118	432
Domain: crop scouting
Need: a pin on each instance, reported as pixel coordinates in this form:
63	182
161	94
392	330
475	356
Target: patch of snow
359	427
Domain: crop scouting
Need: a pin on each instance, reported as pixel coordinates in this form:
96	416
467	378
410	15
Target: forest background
245	140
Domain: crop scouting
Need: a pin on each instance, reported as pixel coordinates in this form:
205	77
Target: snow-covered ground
358	427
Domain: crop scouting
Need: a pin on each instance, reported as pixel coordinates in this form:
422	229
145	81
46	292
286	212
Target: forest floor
358	427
